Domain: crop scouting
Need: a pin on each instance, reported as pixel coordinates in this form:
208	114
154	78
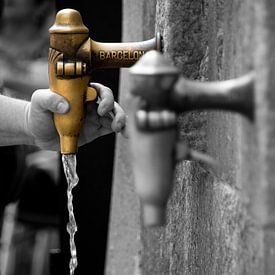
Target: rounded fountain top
153	63
68	21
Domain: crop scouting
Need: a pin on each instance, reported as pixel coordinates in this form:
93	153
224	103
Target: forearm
13	130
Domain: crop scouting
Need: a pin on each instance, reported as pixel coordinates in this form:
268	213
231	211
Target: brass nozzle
68	144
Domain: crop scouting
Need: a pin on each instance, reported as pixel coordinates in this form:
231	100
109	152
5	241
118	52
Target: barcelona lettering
120	55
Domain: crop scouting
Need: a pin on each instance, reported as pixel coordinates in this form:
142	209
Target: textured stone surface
265	67
209	229
214	216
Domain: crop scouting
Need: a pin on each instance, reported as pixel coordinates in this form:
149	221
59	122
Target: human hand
39	117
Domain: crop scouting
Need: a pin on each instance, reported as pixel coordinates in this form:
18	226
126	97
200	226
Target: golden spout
72	57
68	76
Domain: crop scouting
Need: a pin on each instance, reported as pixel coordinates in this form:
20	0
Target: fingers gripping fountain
72	58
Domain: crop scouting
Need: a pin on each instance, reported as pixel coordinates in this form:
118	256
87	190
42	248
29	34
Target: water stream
69	164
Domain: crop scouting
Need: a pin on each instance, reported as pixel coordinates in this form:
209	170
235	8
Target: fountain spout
159	93
72	57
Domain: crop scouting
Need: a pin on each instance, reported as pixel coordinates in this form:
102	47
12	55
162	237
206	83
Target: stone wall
219	219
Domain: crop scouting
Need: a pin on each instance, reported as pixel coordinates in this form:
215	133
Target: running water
69	164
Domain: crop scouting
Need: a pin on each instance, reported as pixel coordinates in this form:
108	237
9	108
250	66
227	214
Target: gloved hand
103	118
